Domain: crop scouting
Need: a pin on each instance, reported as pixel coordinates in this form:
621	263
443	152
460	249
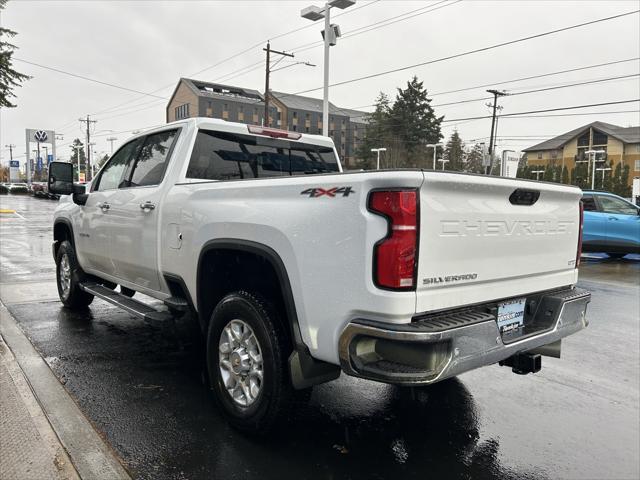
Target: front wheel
247	353
68	276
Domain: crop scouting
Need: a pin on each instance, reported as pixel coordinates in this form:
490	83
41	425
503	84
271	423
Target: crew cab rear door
134	211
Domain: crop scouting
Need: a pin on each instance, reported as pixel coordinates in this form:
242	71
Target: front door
134	213
93	241
622	224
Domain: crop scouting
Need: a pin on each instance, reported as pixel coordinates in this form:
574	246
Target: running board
134	307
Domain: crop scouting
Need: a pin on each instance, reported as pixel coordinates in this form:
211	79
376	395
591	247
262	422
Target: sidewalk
29	449
43	433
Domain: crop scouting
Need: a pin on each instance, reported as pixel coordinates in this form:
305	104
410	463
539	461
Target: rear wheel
616	255
68	276
247	352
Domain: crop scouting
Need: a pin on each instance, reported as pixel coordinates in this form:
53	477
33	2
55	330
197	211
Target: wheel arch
261	251
62	230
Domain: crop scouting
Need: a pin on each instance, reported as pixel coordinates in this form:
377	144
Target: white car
296	271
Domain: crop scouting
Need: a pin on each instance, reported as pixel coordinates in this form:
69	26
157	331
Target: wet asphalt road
140	385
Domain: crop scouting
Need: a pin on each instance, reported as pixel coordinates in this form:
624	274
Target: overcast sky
147	46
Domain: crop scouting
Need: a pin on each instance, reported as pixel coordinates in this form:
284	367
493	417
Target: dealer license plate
511	315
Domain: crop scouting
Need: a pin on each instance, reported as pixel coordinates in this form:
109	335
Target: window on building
294	128
307	116
227	156
599	138
152	159
255	110
306	129
539	155
583	140
554	154
226	107
241	108
295	114
182	111
636	166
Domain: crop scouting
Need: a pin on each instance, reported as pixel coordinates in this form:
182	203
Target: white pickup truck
297	271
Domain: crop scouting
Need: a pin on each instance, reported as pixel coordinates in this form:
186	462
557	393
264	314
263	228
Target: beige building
619	144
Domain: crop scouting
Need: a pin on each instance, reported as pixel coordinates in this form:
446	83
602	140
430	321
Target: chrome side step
134	307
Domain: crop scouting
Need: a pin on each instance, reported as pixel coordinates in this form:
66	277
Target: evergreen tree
474	160
565	175
376	135
454	153
9	78
74	155
413	121
102	160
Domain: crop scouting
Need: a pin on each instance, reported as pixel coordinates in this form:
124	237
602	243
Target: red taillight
580	228
395	255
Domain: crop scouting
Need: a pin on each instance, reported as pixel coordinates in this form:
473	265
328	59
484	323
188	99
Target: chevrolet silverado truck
296	271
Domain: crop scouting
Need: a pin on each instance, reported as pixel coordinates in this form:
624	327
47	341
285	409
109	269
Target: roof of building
624	134
216	90
298	102
355	116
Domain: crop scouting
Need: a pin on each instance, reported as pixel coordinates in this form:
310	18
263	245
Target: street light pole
593	168
537	172
378	150
435	148
314	13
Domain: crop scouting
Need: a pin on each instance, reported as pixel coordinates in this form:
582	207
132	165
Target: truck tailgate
476	245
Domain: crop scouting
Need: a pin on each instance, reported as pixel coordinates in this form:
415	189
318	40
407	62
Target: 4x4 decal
329	192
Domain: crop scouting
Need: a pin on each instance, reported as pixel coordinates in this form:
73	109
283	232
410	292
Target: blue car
611	224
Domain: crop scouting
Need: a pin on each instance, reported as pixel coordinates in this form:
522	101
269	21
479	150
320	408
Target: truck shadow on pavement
142	388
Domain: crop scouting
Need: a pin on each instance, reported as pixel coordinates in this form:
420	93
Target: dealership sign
14	171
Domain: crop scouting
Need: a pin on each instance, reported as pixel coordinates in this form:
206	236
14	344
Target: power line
471	52
377	24
545	110
521	79
87	78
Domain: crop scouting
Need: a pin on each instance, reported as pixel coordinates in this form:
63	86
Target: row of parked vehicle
37	189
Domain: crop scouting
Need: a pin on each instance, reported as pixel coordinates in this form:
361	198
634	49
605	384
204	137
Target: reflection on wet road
141	386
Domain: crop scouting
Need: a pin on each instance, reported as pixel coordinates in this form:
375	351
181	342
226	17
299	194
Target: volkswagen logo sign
40	136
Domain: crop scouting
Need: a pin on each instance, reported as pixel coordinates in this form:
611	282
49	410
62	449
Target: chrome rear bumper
440	346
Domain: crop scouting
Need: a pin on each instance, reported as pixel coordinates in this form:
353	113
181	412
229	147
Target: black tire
272	403
72	297
616	255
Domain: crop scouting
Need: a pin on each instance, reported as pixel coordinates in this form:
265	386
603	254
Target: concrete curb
91	457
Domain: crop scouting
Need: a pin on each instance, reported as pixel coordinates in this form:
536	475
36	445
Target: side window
615	205
152	159
589	204
111	175
218	157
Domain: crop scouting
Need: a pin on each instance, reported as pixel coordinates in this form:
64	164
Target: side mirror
60	178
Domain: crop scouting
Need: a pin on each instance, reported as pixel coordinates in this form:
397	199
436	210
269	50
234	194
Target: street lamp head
312	13
342	4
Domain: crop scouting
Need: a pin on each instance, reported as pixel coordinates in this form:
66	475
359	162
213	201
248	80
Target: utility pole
10	147
266	81
496	94
88	147
111	140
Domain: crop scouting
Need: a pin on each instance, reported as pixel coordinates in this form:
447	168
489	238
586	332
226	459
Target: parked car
39	189
4	188
18	188
295	271
611	224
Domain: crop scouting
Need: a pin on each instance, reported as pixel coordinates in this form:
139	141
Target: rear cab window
230	156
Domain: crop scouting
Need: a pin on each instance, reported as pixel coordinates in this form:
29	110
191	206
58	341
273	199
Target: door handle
147	205
104	206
